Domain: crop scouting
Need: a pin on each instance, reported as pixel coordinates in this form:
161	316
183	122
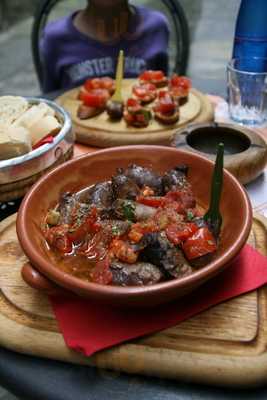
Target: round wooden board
225	345
101	132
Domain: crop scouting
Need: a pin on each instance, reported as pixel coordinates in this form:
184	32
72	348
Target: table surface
35	378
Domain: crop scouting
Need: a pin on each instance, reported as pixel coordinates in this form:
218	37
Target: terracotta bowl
99	166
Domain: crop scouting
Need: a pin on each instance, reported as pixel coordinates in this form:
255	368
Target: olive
114	109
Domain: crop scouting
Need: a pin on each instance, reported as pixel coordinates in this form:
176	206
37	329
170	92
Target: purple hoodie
70	57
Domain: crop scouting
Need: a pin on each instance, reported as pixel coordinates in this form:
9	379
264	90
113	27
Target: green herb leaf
128	210
190	215
115	230
147	114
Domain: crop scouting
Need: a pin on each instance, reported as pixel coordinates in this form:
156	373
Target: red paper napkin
88	327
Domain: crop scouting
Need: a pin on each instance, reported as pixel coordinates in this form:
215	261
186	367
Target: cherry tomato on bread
156	77
146	92
180	81
95	98
100	83
165	104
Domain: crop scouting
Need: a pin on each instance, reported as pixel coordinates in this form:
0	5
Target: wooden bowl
99	166
245	150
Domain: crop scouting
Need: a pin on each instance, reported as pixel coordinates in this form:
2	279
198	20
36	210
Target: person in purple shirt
86	43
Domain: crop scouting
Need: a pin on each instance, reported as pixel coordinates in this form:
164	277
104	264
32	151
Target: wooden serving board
100	131
225	345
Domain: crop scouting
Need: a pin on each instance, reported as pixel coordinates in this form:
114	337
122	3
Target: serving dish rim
75	284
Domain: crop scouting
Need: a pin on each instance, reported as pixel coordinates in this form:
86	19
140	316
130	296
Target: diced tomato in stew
177	233
89	225
202	242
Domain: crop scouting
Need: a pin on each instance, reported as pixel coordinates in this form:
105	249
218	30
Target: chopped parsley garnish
115	230
128	210
190	215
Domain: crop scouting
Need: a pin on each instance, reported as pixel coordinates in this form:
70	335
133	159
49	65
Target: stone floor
211	26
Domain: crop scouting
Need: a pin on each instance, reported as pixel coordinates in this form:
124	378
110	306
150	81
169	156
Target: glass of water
247	90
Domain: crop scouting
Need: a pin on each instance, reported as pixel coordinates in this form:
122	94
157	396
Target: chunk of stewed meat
144	177
158	250
101	195
124	187
175	179
138	274
67	206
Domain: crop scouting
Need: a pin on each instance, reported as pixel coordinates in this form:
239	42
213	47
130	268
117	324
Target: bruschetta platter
153	107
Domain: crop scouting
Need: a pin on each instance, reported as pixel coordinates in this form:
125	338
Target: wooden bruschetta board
100	131
225	345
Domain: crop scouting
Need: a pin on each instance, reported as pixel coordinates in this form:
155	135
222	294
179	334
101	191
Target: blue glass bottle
251	35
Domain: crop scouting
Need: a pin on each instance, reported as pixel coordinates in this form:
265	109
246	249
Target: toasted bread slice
167	119
85	112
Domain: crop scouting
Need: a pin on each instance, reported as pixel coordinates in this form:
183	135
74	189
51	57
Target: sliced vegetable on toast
166	109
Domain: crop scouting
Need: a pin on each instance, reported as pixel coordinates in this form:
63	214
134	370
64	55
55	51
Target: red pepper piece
44	140
202	242
177	233
89	225
150	201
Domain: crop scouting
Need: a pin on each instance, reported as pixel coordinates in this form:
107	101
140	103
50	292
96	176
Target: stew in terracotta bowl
139	228
124	225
